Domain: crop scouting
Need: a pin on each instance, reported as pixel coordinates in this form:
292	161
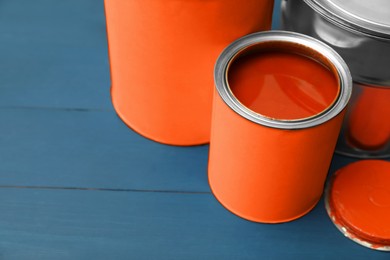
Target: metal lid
371	17
358	202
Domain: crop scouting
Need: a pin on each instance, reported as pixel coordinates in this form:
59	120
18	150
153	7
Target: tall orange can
279	104
162	54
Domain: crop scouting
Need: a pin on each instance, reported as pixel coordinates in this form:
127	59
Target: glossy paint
282	85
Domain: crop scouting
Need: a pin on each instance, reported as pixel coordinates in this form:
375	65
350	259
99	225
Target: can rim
239	45
349	22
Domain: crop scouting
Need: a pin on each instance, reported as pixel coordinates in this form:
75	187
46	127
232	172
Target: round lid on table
358	202
372	17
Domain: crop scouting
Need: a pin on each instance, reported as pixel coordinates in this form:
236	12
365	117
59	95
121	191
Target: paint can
360	32
162	55
357	200
265	166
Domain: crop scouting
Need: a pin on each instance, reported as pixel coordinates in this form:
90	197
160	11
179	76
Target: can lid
358	202
371	17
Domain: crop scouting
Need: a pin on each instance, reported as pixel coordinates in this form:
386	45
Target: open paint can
360	32
162	55
278	108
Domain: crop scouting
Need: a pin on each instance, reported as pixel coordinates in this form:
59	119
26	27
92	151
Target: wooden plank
276	15
54	54
84	224
93	149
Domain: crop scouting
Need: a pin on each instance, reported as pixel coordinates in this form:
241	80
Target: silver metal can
360	32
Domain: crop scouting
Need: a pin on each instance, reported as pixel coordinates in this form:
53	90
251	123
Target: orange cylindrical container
366	128
162	55
273	135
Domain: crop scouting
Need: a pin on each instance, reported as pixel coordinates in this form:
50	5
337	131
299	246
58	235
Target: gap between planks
99	189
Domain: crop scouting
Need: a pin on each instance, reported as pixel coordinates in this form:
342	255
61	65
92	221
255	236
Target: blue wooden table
76	183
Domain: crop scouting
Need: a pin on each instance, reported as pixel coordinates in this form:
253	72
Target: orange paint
359	201
282	85
162	55
369	119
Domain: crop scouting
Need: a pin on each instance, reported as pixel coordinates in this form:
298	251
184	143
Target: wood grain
63	224
76	183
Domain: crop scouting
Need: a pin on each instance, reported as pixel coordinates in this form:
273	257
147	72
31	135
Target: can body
263	169
365	133
162	55
366	128
264	174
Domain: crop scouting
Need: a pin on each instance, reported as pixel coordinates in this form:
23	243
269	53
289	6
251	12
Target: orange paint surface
360	200
369	121
282	85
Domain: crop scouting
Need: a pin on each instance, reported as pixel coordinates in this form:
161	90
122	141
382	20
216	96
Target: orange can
162	55
366	129
279	104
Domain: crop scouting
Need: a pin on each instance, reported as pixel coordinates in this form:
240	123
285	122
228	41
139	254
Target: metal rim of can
353	23
357	35
230	52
